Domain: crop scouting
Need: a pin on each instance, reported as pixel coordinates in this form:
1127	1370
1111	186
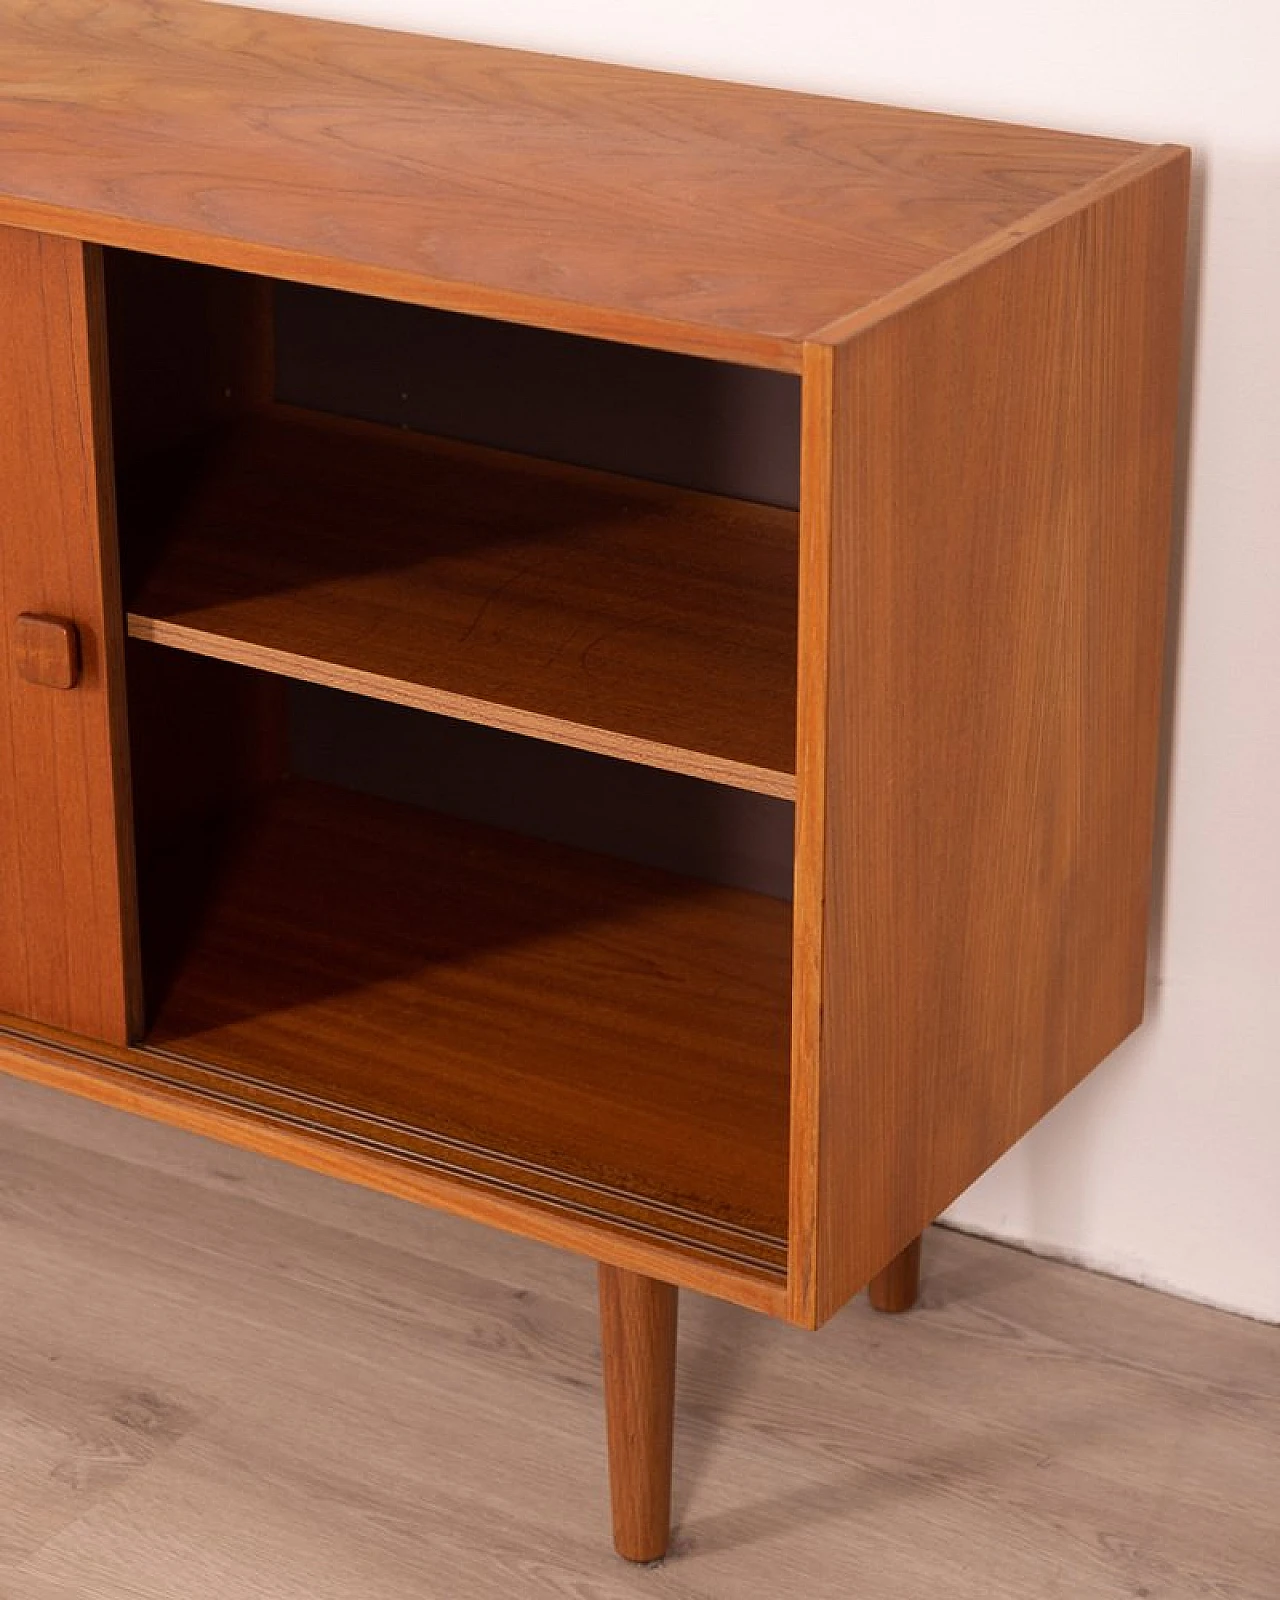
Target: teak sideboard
947	659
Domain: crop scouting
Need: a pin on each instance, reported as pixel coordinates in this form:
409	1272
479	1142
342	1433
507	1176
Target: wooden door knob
48	650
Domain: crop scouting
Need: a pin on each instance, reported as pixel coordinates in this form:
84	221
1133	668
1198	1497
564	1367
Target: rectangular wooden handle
48	650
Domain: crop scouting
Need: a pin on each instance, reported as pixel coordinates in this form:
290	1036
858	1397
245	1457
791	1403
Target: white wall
1165	1166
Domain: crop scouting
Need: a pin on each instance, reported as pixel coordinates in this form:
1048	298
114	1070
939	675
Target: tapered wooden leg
896	1288
638	1340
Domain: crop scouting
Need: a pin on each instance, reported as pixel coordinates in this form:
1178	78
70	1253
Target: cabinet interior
461	679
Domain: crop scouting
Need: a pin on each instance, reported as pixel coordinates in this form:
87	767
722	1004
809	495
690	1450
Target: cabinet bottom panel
132	1080
604	1039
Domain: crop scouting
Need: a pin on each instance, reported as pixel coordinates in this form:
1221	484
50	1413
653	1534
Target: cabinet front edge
772	352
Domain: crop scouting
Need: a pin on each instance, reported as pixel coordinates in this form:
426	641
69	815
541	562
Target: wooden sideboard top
709	217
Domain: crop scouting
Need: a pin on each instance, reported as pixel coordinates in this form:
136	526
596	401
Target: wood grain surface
226	1379
978	786
707	217
67	947
897	1288
638	621
638	1321
565	1024
46	650
986	320
133	1080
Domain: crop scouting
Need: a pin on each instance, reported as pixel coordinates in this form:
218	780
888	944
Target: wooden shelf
619	616
602	1037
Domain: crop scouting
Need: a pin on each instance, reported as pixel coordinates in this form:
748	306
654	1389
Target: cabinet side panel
68	945
1000	512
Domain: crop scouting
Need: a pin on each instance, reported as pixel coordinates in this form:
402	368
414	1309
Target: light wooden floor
224	1380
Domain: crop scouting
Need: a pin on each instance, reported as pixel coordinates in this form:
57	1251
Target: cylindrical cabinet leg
638	1341
896	1288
